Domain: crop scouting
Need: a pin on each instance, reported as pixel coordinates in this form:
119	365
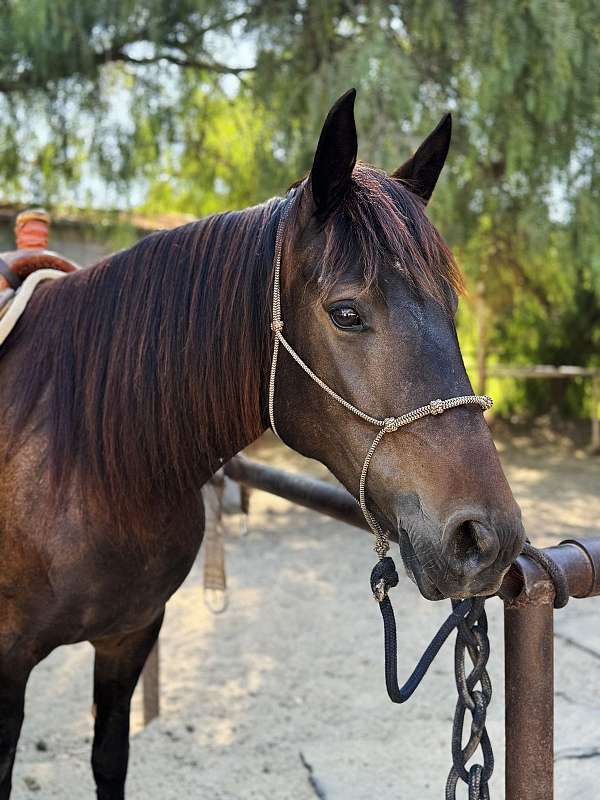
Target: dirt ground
287	685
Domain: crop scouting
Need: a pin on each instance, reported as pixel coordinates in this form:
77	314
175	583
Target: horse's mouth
415	571
487	586
412	565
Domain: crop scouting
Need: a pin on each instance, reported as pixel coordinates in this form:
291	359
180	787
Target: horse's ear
335	157
420	173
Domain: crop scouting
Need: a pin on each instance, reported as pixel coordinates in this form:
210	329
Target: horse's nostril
466	542
473	546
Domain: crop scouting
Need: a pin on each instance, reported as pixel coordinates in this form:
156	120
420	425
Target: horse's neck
154	366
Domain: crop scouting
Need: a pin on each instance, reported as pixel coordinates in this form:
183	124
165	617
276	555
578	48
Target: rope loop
554	570
477	790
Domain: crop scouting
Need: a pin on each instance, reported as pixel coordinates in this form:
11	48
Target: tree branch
8	87
187	63
29	80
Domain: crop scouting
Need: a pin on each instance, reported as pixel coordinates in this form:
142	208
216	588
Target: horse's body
124	387
75	572
69	577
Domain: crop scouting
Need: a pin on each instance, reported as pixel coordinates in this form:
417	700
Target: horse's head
369	293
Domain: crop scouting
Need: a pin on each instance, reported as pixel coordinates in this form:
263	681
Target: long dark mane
132	354
151	366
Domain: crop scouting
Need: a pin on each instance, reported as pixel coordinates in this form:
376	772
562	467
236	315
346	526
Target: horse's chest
133	576
69	576
131	590
66	588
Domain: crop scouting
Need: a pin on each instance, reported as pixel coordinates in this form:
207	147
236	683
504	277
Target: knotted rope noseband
387	425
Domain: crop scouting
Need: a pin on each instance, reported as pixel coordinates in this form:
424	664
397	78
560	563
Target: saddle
31	234
22	269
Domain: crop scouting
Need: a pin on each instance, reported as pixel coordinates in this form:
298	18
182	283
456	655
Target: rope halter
387	425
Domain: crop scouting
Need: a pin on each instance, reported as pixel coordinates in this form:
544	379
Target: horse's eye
346	318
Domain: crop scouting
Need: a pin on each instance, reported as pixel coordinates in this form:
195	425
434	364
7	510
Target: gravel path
282	697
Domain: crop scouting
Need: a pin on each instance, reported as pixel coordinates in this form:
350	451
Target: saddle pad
15	307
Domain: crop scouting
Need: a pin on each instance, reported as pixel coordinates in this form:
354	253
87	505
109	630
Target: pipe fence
527	593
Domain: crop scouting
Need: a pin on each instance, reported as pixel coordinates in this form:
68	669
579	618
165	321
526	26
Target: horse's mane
151	365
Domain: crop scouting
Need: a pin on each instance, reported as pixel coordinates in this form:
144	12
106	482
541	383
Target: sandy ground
292	674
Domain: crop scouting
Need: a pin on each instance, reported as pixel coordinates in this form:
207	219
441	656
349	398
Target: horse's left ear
335	156
420	173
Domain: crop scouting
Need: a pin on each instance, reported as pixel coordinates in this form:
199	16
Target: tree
202	106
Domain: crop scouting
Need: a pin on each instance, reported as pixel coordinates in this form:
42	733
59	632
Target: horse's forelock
381	224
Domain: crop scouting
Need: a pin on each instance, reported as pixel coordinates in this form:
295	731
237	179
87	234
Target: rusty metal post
528	596
151	685
529	703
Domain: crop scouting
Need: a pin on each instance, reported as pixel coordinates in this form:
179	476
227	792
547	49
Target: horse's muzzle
471	559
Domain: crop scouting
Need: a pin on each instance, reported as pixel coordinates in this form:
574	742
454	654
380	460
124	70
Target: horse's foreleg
13	680
119	662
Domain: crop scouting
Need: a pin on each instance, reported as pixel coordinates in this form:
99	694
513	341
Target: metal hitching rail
527	593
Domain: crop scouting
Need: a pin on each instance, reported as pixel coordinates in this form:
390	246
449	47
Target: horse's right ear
335	157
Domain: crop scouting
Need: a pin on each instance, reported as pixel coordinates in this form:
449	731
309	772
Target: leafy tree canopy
199	106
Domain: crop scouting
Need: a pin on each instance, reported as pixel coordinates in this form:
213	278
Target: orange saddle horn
32	229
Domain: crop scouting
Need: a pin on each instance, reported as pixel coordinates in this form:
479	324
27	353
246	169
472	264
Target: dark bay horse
124	387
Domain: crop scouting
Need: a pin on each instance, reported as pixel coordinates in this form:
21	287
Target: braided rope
387	425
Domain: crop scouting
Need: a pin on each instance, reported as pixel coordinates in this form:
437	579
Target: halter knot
436	407
383	578
391	424
277	325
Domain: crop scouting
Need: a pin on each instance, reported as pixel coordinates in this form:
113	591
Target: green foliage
199	106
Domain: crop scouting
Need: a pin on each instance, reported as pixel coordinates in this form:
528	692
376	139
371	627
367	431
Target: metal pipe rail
528	595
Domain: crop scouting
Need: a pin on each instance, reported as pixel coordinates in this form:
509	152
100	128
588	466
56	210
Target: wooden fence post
481	317
151	685
595	442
